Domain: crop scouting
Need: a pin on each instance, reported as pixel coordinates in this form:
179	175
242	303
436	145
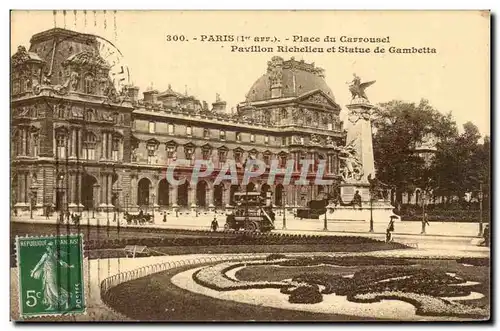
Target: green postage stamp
50	273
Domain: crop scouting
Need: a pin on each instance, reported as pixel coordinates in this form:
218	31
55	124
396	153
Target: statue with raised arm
357	88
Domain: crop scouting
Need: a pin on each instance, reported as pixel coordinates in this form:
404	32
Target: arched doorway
163	191
201	193
143	192
278	195
232	190
218	193
182	194
87	191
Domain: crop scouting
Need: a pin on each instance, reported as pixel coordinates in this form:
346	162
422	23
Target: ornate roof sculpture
22	56
88	59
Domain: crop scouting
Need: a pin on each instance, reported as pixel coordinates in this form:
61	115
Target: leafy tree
399	127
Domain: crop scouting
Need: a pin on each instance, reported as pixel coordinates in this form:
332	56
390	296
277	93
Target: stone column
23	140
226	195
79	190
110	146
28	140
104	151
71	184
133	190
172	196
192	196
73	142
79	148
210	196
110	188
103	189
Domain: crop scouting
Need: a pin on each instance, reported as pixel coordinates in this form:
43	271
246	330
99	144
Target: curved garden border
130	275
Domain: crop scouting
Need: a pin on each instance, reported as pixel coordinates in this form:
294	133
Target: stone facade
79	142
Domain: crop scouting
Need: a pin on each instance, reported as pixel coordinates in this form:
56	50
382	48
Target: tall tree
399	128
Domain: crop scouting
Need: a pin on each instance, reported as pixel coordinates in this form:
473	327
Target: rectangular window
222	135
266	140
237	157
170	128
283	141
61	146
206	134
330	126
116	150
222	156
238	136
152	127
252	138
170	152
206	154
189	130
282	161
267	159
151	154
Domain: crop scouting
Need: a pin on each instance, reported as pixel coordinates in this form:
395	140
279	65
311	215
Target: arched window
89	84
89	144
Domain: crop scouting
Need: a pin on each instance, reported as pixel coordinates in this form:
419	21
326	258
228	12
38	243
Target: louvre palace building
80	143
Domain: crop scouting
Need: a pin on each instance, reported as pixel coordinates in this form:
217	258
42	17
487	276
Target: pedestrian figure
67	216
390	229
425	222
165	217
215	224
15	212
486	235
356	200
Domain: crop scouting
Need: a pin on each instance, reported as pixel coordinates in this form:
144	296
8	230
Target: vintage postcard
250	166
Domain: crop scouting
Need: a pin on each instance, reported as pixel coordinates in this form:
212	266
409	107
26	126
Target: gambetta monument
357	167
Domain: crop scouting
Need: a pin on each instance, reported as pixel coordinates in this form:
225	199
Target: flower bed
214	277
343	261
305	294
426	305
205	238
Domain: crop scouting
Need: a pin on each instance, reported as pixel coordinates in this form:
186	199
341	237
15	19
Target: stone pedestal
381	211
348	190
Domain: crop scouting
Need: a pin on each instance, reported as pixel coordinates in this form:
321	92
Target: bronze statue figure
357	88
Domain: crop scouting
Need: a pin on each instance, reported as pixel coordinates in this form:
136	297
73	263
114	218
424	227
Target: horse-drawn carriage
138	219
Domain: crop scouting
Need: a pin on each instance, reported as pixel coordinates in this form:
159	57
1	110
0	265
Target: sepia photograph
250	166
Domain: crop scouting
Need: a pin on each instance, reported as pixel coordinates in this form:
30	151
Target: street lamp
283	202
371	212
480	209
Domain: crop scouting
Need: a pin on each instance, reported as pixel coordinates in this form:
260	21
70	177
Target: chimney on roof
219	105
132	92
151	96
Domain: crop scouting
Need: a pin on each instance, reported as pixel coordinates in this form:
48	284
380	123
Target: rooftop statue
357	88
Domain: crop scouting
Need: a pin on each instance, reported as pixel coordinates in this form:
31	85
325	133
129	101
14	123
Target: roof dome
294	77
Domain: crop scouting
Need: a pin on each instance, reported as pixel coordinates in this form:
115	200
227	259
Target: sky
456	78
